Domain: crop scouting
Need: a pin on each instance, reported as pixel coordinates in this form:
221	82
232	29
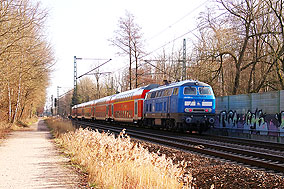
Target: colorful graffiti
256	122
280	118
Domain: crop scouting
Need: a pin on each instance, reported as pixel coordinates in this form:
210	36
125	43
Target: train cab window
175	91
190	91
204	91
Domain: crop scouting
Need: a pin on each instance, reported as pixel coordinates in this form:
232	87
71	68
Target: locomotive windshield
204	91
189	91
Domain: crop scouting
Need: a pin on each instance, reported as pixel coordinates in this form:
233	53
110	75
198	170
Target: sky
82	28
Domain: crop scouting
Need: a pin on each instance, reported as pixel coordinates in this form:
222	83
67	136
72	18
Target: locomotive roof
134	92
181	83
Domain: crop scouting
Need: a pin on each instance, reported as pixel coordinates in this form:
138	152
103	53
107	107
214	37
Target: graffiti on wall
256	122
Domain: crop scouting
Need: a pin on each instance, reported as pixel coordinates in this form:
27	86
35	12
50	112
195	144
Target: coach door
136	110
112	111
107	114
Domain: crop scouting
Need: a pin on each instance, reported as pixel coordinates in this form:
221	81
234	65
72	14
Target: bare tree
25	59
239	50
128	38
87	90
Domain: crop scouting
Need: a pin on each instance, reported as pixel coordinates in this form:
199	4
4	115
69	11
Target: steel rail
205	148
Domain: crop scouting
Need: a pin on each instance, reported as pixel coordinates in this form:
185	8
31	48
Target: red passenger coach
102	108
123	107
89	110
80	111
128	106
74	112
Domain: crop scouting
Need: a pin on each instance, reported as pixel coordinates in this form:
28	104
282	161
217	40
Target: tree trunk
130	61
10	103
18	99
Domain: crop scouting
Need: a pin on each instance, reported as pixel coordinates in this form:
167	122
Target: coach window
189	91
175	91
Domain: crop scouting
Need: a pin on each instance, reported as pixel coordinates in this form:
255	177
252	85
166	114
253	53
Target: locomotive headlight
208	110
188	110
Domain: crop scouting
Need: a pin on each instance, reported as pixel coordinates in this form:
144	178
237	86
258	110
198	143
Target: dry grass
116	162
59	126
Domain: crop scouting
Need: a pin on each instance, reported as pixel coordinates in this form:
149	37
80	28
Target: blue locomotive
187	105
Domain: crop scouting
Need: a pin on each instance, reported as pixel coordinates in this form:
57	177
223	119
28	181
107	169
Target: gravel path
28	159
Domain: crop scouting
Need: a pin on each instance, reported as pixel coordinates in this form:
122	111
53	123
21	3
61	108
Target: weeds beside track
116	162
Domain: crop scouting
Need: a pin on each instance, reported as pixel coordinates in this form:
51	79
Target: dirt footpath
28	159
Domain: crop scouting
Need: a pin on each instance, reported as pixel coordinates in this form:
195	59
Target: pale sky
82	28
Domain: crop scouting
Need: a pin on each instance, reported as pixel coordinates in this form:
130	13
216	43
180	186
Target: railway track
267	155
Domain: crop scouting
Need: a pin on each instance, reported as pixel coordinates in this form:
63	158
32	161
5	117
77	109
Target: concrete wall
254	114
270	102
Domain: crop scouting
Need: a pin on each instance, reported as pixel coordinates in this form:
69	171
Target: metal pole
51	110
184	61
75	92
75	81
58	100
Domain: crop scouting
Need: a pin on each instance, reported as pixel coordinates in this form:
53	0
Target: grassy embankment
116	162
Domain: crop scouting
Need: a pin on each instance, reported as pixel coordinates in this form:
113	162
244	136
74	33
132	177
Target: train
181	106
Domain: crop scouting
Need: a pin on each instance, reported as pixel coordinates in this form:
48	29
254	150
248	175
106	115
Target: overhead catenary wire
169	42
171	25
172	41
94	69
